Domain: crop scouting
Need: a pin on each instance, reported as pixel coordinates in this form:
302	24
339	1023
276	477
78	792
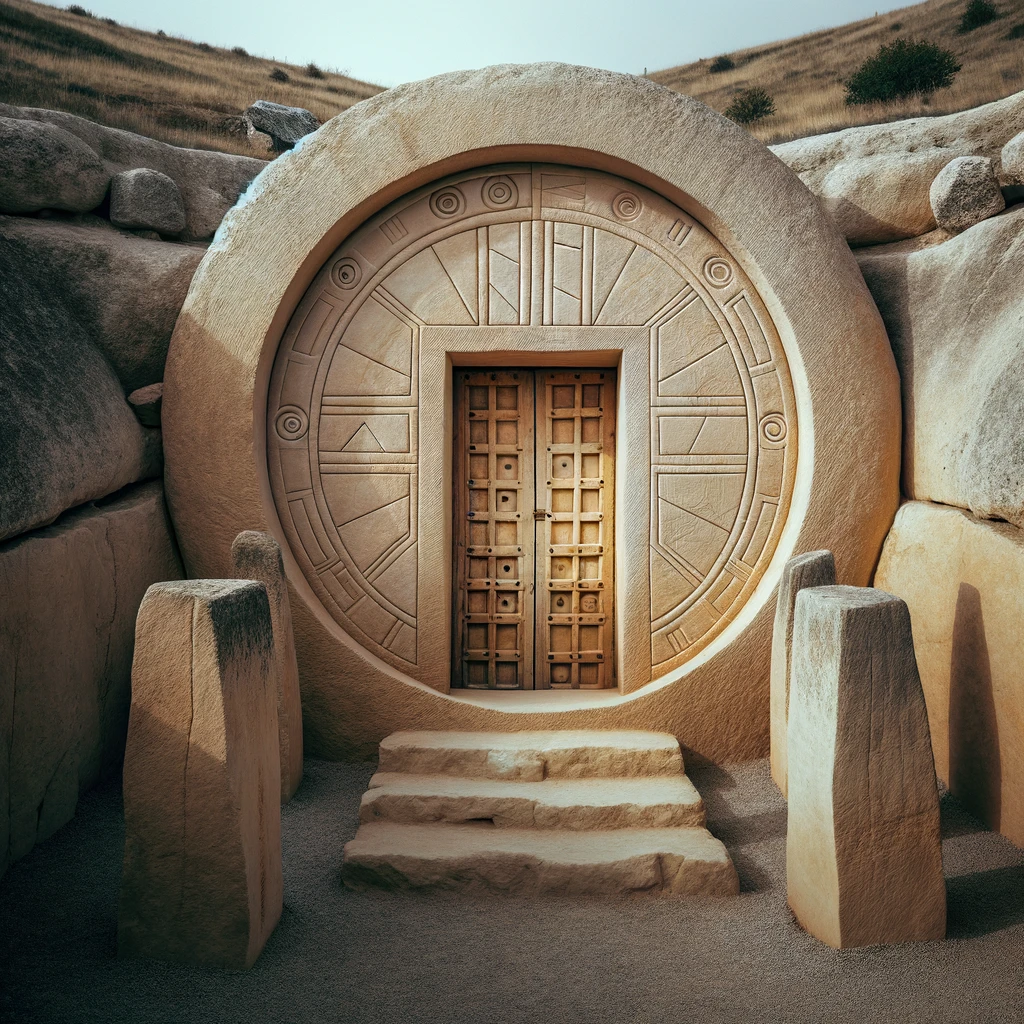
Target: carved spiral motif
447	202
718	271
772	429
291	422
627	206
500	193
346	273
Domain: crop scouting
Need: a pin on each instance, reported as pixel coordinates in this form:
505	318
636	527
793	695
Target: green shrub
722	63
279	75
750	105
976	14
313	71
239	51
80	11
1017	32
902	68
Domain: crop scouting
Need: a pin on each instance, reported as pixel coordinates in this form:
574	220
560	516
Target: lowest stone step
680	861
658	802
533	756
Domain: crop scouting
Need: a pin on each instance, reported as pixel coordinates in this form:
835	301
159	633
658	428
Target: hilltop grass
806	76
176	90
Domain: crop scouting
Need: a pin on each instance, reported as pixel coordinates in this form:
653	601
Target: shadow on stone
984	902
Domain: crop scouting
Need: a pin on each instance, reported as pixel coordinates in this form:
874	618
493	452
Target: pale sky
404	40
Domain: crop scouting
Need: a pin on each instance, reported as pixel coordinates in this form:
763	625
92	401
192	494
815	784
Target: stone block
285	125
146	199
812	569
965	192
68	598
45	167
202	876
863	846
257	556
1012	160
963	580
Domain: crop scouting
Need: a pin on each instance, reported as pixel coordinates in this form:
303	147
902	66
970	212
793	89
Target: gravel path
386	957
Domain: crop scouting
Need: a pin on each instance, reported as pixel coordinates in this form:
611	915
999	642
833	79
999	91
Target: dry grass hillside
805	75
184	92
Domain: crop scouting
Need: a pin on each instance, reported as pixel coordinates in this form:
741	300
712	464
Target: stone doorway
533	473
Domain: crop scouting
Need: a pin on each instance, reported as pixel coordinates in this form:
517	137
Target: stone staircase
570	812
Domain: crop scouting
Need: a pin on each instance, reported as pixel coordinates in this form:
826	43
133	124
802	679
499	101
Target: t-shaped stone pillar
202	878
863	848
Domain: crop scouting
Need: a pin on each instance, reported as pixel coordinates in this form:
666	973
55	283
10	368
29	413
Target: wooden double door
534	485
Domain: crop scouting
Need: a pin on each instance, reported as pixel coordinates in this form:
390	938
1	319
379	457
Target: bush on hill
750	105
722	63
902	68
976	14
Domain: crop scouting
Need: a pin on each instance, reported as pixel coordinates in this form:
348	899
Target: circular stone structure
575	225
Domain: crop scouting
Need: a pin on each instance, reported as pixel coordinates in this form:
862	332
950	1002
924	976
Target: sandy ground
402	957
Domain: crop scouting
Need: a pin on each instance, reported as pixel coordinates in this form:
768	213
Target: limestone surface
202	878
953	315
68	598
965	192
532	756
210	182
812	569
647	802
144	198
124	291
68	435
46	167
863	845
285	125
963	580
874	180
257	556
1012	160
676	861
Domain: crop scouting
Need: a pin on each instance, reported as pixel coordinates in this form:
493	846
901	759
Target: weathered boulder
954	313
123	291
257	556
963	579
1012	160
146	199
46	167
965	192
874	180
68	435
811	569
202	862
863	843
68	598
285	125
210	182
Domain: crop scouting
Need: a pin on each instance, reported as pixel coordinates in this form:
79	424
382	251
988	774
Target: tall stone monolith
202	876
257	556
863	847
811	569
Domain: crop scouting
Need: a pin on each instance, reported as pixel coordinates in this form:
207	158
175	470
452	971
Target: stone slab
68	598
812	569
649	802
677	861
532	756
202	879
257	556
963	580
863	843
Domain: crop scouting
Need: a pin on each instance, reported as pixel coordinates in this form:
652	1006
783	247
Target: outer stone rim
223	348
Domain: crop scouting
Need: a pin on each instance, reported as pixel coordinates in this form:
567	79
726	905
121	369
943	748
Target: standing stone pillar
202	863
863	848
257	556
812	569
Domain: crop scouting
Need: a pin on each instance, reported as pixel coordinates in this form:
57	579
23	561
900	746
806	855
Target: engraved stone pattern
528	248
494	547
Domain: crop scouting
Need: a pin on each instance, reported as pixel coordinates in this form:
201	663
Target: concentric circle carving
627	206
500	192
718	272
291	422
772	430
346	273
448	202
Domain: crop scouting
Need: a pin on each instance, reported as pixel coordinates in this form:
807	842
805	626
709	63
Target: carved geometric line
611	289
675	305
696	515
389	557
398	308
752	338
679	232
458	291
694	362
683	567
394	230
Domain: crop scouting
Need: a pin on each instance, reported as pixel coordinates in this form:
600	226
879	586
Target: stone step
659	802
533	756
681	861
